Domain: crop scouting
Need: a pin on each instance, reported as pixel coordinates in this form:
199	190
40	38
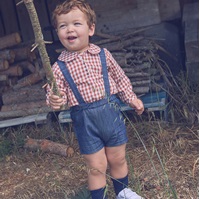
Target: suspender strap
105	72
72	84
70	81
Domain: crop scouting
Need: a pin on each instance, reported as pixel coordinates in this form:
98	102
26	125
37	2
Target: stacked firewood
138	57
21	79
22	74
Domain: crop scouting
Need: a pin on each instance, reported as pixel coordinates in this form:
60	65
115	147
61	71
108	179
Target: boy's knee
96	171
97	168
117	161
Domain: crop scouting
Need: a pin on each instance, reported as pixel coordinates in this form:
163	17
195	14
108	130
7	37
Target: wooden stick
138	74
107	36
137	68
142	82
40	43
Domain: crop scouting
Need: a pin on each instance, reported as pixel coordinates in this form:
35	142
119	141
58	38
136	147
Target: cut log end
17	38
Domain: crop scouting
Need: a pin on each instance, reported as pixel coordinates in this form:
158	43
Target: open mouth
71	38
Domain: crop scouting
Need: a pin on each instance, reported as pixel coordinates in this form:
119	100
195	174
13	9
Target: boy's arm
138	105
54	101
125	89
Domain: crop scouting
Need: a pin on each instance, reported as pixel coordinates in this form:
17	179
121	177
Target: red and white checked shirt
86	71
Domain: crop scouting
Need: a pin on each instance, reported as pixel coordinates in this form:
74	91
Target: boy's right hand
55	101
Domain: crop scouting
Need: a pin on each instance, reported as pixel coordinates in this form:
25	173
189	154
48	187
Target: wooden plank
193	73
190	11
24	23
41	9
9	16
118	15
133	14
38	119
191	31
192	40
169	10
51	5
2	30
183	2
23	113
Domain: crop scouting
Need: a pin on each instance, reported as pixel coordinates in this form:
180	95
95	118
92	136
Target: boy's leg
97	166
119	171
116	157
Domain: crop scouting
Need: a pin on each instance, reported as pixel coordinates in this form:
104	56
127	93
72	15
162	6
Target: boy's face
73	30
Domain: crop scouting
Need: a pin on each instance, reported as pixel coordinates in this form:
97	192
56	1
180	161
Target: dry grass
163	157
33	175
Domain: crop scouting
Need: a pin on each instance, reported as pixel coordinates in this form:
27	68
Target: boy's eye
77	24
62	26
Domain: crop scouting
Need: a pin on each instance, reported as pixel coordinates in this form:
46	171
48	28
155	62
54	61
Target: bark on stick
40	44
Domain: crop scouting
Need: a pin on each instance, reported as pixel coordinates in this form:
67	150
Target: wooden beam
37	119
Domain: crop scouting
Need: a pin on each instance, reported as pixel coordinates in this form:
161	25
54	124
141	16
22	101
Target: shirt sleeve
123	84
60	81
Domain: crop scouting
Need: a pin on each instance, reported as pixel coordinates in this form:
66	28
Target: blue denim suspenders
73	86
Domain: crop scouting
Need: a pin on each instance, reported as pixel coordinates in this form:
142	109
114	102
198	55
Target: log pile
138	57
21	78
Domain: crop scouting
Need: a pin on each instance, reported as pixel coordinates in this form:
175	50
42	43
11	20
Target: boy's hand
55	101
138	105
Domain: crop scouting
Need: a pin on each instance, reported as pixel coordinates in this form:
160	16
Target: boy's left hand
138	105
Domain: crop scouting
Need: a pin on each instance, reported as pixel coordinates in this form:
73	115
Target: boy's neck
84	50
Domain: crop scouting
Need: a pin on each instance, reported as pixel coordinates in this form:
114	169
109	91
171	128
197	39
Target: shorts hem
89	152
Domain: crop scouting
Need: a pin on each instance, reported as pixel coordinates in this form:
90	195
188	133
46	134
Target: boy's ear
92	30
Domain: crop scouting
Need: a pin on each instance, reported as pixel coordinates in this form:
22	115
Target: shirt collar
67	56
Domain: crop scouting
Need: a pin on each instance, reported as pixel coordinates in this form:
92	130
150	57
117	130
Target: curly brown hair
68	5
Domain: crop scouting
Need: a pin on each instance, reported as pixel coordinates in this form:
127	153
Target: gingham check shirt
86	71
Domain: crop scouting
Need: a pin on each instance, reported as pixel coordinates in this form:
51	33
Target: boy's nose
70	28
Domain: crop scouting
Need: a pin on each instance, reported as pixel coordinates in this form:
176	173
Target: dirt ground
163	163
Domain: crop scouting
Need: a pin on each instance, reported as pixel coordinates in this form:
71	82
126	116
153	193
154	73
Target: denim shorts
99	124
